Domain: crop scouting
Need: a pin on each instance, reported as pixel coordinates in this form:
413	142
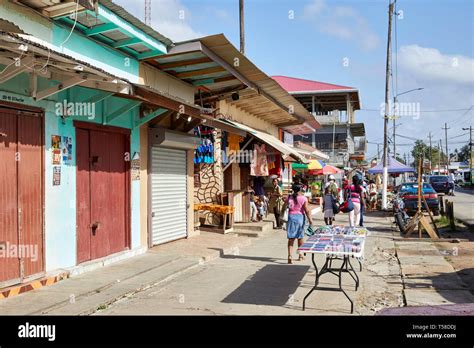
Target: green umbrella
299	166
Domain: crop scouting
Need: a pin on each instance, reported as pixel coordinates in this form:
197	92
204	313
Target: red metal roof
292	84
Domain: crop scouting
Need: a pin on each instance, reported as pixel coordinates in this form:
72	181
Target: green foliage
422	149
463	154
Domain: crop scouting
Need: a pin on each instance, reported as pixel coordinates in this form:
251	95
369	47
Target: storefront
169	154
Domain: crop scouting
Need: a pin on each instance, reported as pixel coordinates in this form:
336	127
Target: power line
458	136
446	110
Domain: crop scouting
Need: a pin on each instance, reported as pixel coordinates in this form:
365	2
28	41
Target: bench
226	211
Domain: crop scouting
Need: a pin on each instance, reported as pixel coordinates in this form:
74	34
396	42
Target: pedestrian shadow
272	285
254	258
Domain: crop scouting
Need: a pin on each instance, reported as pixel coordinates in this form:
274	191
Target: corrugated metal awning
216	66
289	153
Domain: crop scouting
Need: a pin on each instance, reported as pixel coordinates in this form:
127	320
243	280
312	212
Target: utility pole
431	158
446	140
470	152
242	31
394	126
440	151
387	111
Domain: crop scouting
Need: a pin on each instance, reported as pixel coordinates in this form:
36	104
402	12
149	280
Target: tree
422	149
464	153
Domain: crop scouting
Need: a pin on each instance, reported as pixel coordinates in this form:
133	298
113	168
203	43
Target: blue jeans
362	209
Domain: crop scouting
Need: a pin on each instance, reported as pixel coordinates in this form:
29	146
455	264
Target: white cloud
168	17
448	82
342	22
431	65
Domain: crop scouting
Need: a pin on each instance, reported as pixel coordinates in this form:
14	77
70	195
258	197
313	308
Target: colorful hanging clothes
276	166
225	158
259	164
205	152
234	142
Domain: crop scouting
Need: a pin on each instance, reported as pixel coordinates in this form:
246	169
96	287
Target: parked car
409	193
440	183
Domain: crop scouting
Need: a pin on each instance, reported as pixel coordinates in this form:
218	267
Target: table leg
315	282
340	283
360	264
356	278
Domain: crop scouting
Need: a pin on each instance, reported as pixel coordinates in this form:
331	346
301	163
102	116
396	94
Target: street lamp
395	108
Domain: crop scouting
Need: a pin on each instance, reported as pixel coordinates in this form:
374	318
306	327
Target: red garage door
103	210
21	195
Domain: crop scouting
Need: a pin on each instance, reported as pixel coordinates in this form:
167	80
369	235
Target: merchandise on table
344	230
337	243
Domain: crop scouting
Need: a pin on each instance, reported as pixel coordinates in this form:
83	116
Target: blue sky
311	38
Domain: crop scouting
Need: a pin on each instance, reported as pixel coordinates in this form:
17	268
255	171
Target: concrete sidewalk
87	292
428	278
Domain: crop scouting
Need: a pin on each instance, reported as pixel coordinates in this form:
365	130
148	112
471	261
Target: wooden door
21	195
30	192
102	193
9	266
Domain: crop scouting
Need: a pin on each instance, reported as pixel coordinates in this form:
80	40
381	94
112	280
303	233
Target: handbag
348	205
335	206
286	212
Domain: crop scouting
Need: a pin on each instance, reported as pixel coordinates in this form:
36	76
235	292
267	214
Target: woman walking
372	195
357	195
276	201
298	208
328	206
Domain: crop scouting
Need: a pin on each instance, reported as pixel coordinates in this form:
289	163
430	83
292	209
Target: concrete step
253	229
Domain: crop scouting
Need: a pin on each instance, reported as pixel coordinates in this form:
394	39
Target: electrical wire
458	136
447	110
14	61
74	26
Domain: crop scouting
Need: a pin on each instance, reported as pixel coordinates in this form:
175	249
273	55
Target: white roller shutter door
168	196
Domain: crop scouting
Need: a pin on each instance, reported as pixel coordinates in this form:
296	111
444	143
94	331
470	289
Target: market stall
336	243
314	175
394	168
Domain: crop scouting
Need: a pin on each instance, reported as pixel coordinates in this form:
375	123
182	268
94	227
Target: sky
345	42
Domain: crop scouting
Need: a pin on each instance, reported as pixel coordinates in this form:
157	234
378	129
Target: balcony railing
360	145
332	117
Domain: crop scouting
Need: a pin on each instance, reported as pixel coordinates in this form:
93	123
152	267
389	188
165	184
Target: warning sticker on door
56	176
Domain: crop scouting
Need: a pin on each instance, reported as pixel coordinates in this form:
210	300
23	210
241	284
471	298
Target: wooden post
420	186
441	205
452	223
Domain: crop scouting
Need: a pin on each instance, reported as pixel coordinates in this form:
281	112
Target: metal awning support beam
102	28
162	101
98	97
126	42
191	125
143	120
197	46
15	69
122	110
62	86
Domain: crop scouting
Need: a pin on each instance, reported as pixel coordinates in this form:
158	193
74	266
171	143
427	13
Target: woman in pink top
298	208
357	196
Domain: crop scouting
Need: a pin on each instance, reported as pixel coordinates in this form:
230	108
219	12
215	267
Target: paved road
463	205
